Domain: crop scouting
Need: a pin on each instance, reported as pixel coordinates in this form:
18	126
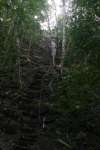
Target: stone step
27	130
31	122
19	147
27	140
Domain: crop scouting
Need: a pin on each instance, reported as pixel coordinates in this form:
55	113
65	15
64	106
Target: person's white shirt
53	48
53	51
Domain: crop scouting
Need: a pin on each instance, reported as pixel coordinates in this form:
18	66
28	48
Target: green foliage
77	95
84	32
18	23
78	88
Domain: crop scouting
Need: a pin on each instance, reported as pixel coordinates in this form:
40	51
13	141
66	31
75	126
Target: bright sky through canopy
57	4
55	10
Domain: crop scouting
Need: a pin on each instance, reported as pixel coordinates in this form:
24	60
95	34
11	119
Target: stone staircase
21	114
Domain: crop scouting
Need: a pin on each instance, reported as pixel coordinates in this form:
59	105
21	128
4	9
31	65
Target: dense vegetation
42	106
